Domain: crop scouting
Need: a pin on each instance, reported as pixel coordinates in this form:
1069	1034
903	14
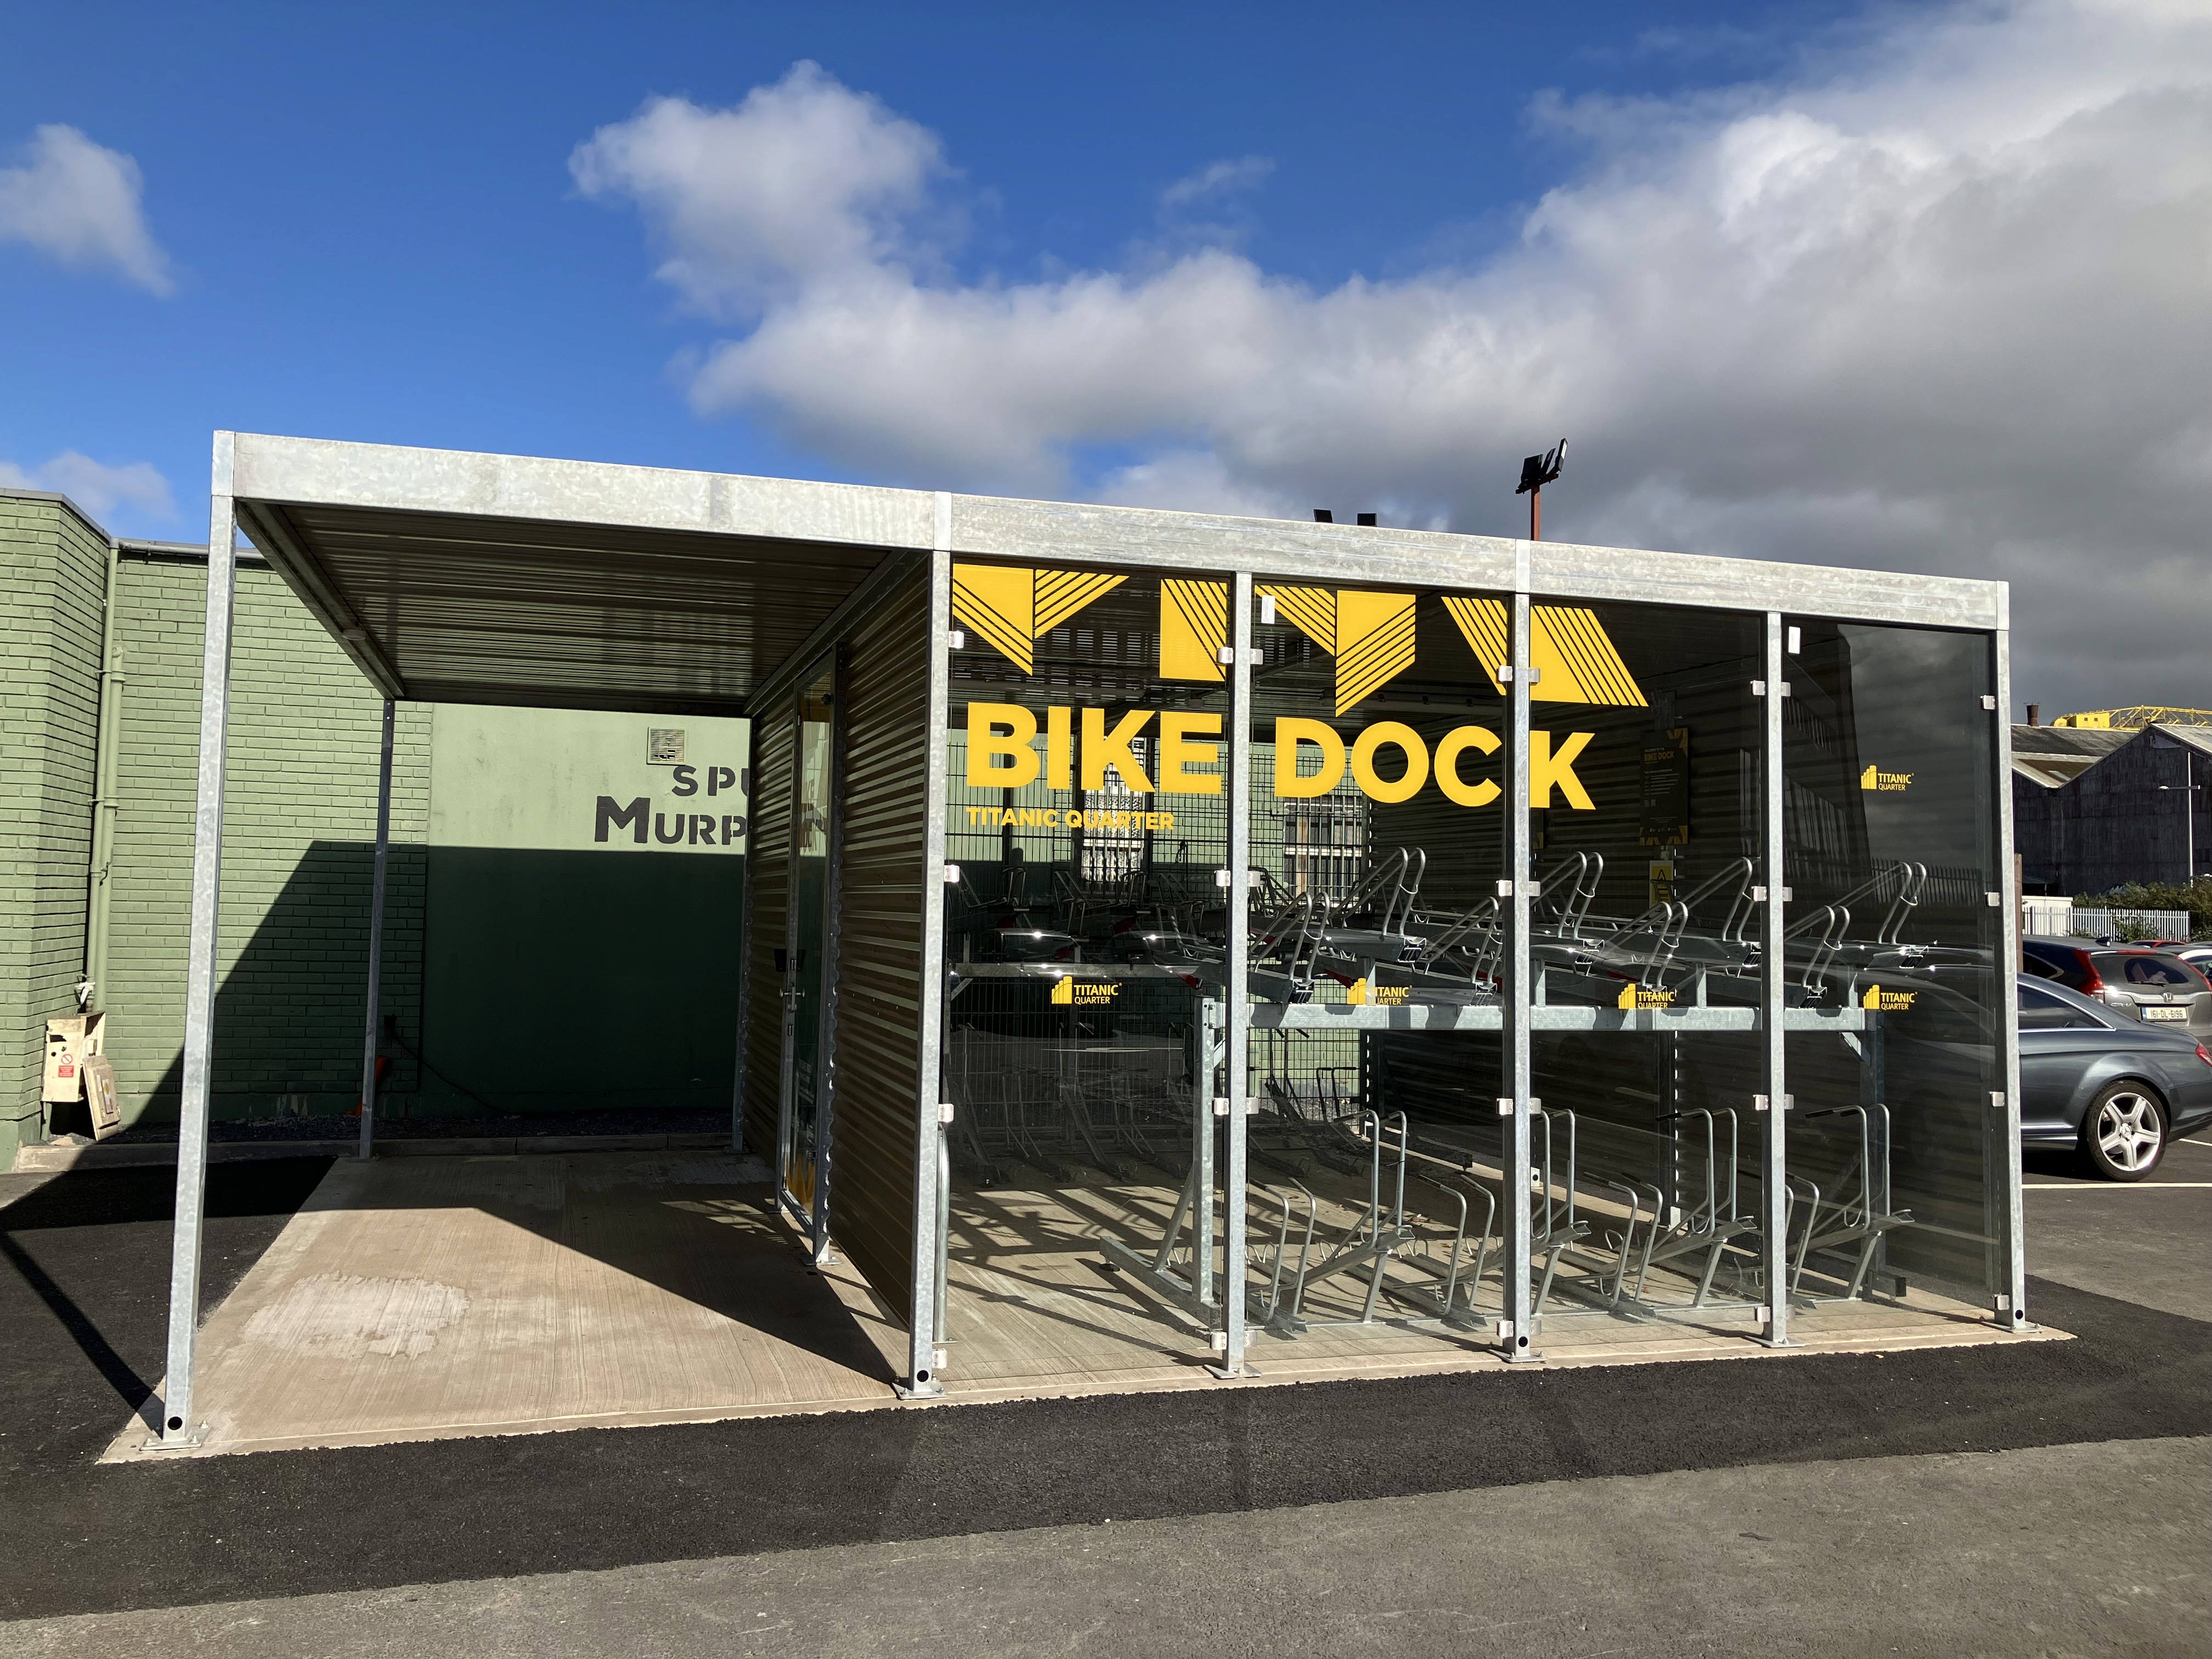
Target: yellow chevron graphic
1370	635
1311	610
1009	606
1574	659
1193	627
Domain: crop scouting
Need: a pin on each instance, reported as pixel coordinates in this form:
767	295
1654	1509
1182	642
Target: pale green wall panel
53	574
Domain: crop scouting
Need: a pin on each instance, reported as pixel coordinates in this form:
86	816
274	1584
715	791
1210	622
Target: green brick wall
299	831
53	568
564	980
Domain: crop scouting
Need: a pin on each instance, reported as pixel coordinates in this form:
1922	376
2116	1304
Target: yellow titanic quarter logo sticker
1083	993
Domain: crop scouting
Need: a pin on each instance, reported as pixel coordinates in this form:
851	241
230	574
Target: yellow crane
2134	720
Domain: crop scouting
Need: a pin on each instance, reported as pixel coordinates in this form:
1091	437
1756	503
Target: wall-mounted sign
564	779
1664	819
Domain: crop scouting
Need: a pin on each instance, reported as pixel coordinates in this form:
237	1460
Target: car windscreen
2147	969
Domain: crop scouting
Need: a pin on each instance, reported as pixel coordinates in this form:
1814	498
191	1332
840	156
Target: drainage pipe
108	742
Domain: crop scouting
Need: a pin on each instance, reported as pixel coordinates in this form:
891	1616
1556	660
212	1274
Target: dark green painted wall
529	981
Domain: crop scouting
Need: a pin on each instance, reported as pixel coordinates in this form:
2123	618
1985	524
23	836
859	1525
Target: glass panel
801	1127
1896	1158
1084	937
1375	1157
1648	1143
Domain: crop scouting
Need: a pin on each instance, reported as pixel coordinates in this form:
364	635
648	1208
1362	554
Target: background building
518	909
2095	808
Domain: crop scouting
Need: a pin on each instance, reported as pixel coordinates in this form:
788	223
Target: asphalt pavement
2042	1498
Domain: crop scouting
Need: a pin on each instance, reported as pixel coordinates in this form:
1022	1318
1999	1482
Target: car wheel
2123	1132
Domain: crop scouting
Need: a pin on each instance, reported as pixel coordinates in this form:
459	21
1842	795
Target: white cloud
1218	179
95	487
804	185
1941	302
78	204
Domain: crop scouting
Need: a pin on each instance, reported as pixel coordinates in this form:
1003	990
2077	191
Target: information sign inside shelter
1665	813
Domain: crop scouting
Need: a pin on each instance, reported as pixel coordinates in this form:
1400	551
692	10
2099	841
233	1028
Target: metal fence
2064	917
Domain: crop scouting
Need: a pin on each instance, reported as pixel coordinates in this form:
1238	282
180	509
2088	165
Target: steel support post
930	1143
1235	990
1213	1022
833	907
2009	1296
1773	1078
745	976
371	1031
178	1426
1518	1334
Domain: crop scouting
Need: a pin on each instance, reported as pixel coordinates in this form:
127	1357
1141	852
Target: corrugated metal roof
447	608
2198	738
2055	754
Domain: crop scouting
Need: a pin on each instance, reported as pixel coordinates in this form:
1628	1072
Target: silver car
2157	987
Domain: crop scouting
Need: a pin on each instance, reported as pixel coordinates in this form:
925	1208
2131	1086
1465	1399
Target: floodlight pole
1536	514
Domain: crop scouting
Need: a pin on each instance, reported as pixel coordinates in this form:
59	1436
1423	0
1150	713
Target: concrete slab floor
427	1299
2059	1550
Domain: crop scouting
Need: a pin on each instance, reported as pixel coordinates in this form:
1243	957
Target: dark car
2094	1079
2157	986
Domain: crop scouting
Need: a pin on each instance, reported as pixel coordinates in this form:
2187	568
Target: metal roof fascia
996	528
328	472
313	587
325	472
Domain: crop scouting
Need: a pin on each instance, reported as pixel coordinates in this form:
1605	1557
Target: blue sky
1800	280
374	234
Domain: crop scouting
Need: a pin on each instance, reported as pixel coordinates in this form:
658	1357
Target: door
810	965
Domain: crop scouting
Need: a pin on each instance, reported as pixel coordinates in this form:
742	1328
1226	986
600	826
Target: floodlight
1539	470
1535	472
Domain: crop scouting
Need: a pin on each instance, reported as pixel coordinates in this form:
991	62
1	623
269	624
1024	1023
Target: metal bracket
1505	674
1227	656
1221	878
1221	1106
1989	702
1760	1103
1996	900
951	875
955	640
1759	688
945	1111
1784	894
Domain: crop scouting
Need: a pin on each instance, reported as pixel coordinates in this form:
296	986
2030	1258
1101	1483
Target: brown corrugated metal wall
769	852
881	977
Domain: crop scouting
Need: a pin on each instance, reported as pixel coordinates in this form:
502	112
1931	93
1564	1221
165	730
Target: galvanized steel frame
2011	1302
375	996
1516	1331
933	1154
1774	1071
814	1215
177	1427
255	471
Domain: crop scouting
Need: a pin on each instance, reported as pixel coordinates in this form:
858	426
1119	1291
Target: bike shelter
1181	948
